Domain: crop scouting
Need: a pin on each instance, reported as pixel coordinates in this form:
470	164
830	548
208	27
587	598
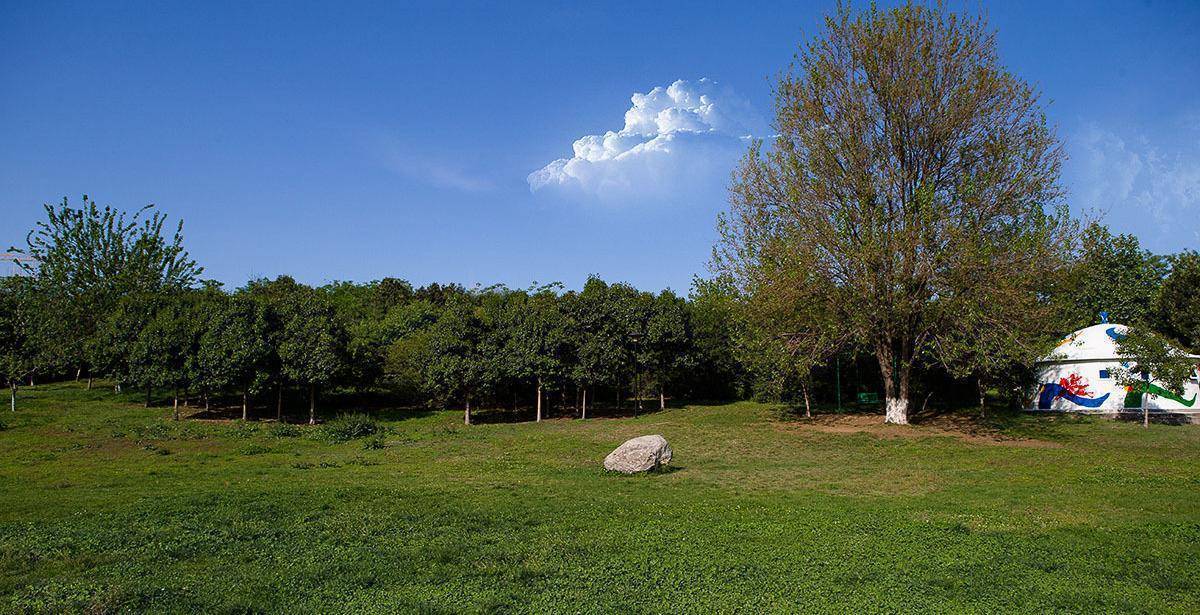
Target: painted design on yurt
1079	376
1133	396
1073	388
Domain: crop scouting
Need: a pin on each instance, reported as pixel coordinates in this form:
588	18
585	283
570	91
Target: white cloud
1146	188
678	142
436	173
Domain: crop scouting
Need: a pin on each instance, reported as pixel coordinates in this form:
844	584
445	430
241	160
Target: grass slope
110	507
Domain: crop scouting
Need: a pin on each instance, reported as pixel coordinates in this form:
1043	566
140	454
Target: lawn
110	507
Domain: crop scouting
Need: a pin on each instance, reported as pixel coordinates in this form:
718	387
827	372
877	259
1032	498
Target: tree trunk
31	381
78	372
312	404
583	413
1145	409
662	398
807	408
89	385
206	401
147	396
279	402
467	413
12	396
982	397
175	405
895	386
539	400
245	406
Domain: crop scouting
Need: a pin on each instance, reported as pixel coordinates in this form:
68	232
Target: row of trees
112	296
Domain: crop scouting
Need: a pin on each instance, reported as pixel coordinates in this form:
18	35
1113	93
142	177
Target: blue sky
355	141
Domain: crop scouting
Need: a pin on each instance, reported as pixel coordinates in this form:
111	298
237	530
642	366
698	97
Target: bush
351	426
284	430
374	444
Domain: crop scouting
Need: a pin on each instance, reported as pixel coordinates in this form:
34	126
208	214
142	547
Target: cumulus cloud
678	142
1146	188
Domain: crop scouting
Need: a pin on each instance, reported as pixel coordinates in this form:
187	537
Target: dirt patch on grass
966	429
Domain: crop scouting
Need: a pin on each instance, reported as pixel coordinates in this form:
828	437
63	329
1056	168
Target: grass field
109	507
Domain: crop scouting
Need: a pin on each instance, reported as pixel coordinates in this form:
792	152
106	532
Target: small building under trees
1082	374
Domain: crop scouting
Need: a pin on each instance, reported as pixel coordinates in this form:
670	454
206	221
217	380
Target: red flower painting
1075	384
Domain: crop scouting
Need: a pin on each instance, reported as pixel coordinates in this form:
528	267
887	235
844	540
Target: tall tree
162	354
460	366
715	330
1149	357
18	353
1177	311
668	338
86	259
908	164
598	343
538	344
234	349
1112	274
312	344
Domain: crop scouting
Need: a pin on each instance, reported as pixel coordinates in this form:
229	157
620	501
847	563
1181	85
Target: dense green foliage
109	508
544	349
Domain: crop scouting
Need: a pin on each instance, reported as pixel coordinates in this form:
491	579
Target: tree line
111	295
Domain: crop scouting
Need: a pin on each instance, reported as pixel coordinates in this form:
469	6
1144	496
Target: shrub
284	430
351	426
254	449
373	444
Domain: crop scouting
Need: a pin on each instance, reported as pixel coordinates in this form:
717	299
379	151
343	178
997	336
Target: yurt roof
1097	342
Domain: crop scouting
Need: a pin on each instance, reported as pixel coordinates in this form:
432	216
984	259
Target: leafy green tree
908	163
86	259
538	346
668	341
715	328
1177	311
162	354
108	351
1113	274
1147	357
235	348
312	344
599	344
18	353
460	366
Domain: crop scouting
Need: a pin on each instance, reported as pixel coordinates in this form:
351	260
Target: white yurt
1077	376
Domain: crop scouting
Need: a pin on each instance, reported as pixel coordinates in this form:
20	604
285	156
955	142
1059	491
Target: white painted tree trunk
312	404
12	397
245	406
539	400
175	406
467	413
583	414
897	411
662	399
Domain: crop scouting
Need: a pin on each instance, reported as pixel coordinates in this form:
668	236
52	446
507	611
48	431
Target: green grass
109	507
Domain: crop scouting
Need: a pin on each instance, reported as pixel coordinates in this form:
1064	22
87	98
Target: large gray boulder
640	454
